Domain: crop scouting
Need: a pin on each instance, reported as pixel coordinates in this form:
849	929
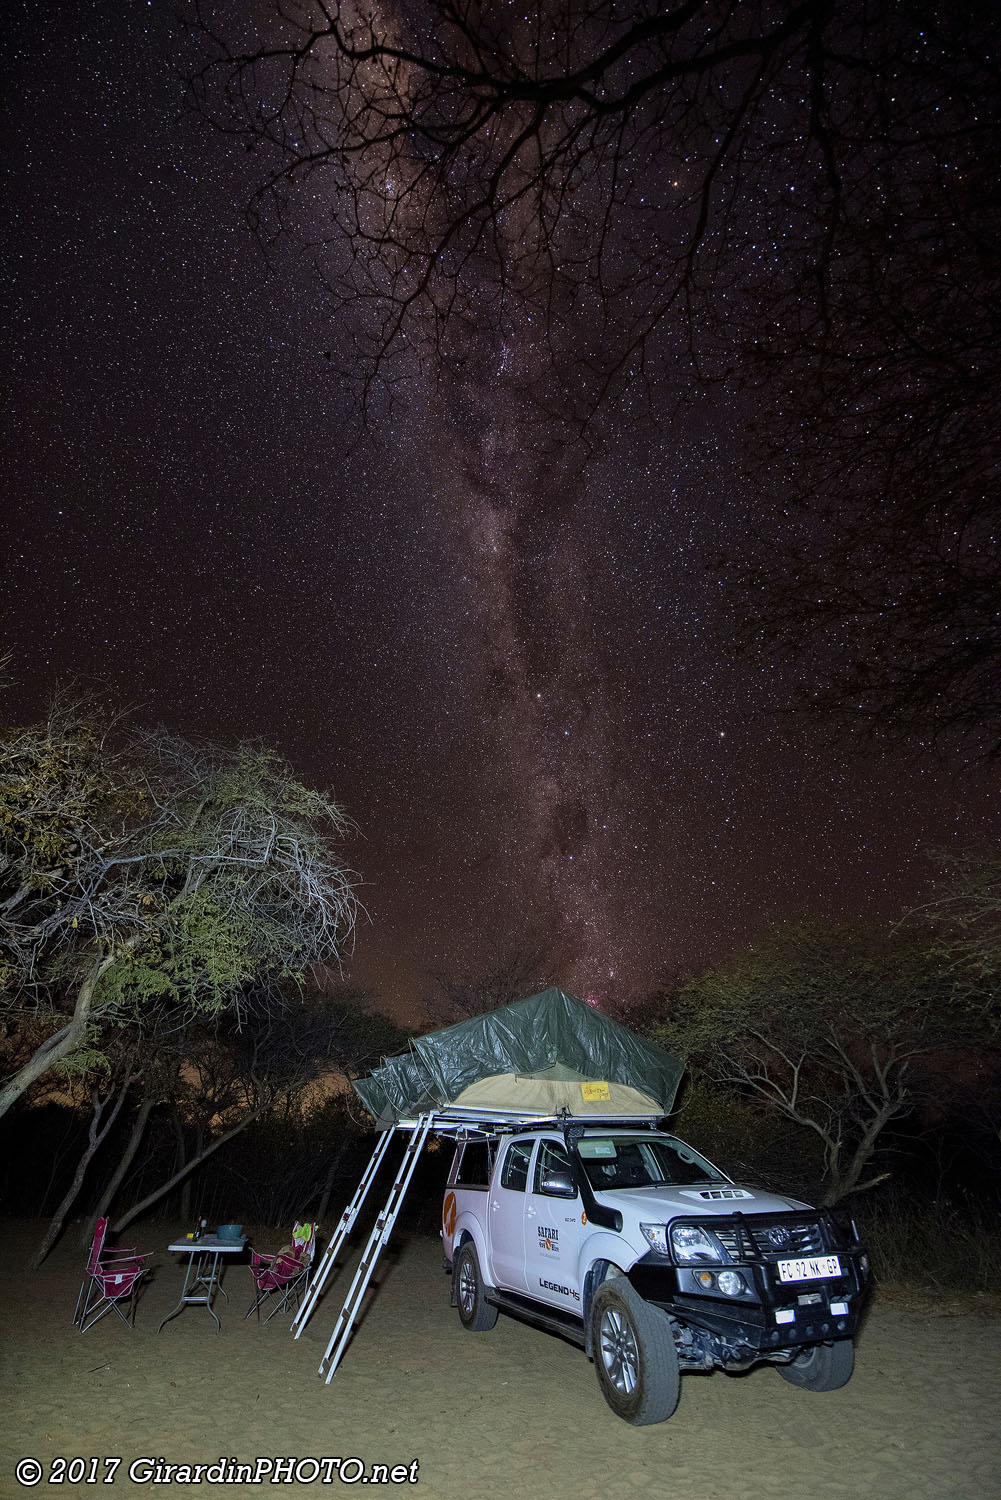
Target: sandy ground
513	1414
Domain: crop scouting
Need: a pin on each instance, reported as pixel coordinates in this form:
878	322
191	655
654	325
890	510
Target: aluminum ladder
344	1227
348	1314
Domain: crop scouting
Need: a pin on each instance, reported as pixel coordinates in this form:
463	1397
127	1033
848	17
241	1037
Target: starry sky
515	675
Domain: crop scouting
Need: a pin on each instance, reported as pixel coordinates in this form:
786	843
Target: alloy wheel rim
467	1287
619	1351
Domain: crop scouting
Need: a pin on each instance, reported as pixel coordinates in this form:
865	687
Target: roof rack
453	1118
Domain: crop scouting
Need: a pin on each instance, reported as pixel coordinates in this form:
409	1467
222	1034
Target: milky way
515	673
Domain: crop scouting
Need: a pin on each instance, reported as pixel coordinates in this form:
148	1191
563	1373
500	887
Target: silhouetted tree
513	975
829	1028
593	204
965	917
588	167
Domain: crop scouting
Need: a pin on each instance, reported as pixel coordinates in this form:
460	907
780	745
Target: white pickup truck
628	1242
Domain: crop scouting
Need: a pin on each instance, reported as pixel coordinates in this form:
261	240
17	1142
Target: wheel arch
597	1264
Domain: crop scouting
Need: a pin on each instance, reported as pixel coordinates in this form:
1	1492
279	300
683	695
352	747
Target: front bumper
769	1315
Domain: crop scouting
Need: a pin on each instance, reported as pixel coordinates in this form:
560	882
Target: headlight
656	1236
690	1243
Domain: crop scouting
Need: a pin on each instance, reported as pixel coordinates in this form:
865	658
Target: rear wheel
475	1312
822	1367
634	1354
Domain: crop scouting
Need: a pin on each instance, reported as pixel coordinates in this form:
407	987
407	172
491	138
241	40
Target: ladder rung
377	1239
344	1227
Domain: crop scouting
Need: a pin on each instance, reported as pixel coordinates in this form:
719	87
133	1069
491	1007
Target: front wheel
475	1312
822	1367
634	1354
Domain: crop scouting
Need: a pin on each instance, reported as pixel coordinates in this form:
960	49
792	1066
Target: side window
474	1165
552	1171
515	1173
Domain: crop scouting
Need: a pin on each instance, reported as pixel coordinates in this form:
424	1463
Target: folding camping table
203	1276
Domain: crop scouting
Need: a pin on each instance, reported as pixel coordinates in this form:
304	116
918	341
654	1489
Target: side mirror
558	1185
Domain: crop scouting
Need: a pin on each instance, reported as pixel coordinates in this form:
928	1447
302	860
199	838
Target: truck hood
656	1205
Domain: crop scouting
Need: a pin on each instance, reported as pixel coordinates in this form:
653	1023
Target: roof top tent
550	1055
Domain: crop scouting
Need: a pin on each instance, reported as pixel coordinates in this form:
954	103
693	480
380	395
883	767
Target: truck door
506	1219
552	1230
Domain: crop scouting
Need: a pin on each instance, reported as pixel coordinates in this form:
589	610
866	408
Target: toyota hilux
625	1240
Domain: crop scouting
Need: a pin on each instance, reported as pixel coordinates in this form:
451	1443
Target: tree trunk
179	1149
57	1157
68	1037
841	1183
126	1160
61	1043
140	1207
328	1185
95	1135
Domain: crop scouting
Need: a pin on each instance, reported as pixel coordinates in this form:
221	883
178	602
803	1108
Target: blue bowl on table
230	1231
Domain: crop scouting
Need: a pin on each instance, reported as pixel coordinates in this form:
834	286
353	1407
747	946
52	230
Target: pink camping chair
113	1273
283	1278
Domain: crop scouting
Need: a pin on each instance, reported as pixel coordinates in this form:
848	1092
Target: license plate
812	1269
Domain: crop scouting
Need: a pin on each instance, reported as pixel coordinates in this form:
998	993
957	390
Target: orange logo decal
583	1218
448	1216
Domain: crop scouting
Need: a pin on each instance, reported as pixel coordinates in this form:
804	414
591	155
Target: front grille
776	1239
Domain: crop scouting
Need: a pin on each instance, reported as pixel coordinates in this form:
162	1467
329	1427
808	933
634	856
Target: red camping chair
283	1278
113	1273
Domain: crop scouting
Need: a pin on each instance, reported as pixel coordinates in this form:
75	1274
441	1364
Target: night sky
516	677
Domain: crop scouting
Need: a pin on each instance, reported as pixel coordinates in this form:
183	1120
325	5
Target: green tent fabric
550	1038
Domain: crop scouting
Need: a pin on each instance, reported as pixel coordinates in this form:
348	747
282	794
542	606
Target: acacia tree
149	878
830	1028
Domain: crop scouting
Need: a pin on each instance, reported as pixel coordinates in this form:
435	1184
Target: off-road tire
634	1354
475	1313
821	1367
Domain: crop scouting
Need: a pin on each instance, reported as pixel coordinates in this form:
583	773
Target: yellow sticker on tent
592	1092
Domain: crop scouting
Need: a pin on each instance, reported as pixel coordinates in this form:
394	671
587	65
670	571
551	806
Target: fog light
704	1278
730	1283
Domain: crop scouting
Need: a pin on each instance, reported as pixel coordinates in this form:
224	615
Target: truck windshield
623	1161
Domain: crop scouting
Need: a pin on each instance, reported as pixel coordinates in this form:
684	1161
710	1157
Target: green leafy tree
149	877
833	1029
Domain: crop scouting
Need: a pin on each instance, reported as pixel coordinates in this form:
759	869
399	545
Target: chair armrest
124	1260
288	1265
